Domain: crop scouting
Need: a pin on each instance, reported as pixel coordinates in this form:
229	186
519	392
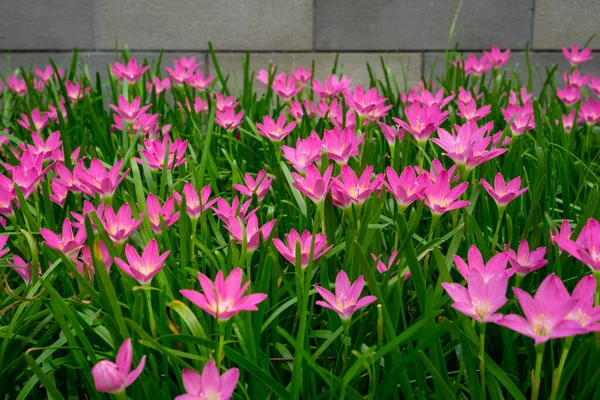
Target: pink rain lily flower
568	121
40	121
75	91
59	193
143	268
121	225
468	146
523	119
263	76
285	86
301	74
53	111
67	242
340	198
564	233
46	148
251	230
524	261
332	86
179	74
129	111
422	121
158	85
276	131
470	112
194	205
576	78
496	266
366	104
545	313
391	134
478	67
25	176
405	188
314	186
440	198
224	103
569	95
209	385
589	112
259	186
428	99
115	377
341	145
584	311
3	240
6	199
481	298
228	119
48	73
225	297
88	208
357	189
587	246
155	151
97	180
305	240
502	192
17	85
200	82
130	72
576	57
523	98
305	153
85	263
346	300
497	57
393	260
226	211
156	212
24	269
594	85
297	109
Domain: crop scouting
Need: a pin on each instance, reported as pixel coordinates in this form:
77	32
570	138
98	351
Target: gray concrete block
421	25
559	23
48	24
190	24
352	65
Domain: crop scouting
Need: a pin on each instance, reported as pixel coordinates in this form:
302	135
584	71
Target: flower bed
314	240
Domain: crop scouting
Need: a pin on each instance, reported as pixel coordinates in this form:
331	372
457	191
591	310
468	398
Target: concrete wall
409	33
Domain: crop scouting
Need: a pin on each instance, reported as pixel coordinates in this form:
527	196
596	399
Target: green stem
121	395
435	219
298	359
482	360
221	346
497	231
346	324
194	222
537	373
151	313
322	215
558	372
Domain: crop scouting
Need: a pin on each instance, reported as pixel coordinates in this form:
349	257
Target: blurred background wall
410	34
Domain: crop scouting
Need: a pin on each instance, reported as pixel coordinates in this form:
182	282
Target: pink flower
6	199
594	85
590	111
225	298
306	152
341	145
584	311
502	192
332	87
3	240
75	91
440	198
314	186
53	112
156	212
302	75
45	148
85	263
67	242
25	176
224	103
48	73
189	63
25	270
524	262
88	208
259	186
97	180
497	57
407	188
346	300
228	119
481	298
285	87
275	130
496	266
522	99
298	109
226	211
428	99
155	151
568	121
390	134
209	385
545	314
422	121
129	111
263	76
357	189
130	72
576	57
195	205
179	74
340	198
16	85
564	233
569	95
366	104
587	246
158	85
468	146
199	82
121	225
393	260
305	241
470	112
143	268
576	78
478	67
112	377
40	121
523	118
249	233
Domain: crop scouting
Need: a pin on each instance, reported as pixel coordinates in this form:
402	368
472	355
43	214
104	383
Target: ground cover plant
168	234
